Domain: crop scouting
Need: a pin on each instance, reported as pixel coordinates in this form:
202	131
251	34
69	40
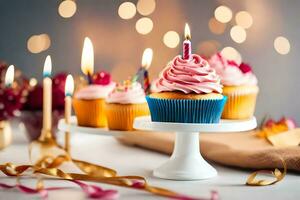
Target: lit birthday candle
47	95
87	59
187	46
9	76
69	89
146	62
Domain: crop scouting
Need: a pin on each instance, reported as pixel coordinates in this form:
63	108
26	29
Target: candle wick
89	76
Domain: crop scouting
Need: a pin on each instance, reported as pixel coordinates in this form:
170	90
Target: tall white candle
69	88
9	76
47	95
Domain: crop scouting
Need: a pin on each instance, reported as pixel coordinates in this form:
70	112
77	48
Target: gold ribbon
95	173
277	174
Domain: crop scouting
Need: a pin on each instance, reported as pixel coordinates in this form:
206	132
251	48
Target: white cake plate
186	162
74	128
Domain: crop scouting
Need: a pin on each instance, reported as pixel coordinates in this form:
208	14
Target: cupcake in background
89	101
125	103
187	91
240	86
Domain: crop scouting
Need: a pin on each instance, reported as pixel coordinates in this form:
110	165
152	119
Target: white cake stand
74	128
186	162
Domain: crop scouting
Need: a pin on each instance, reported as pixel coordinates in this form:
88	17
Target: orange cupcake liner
239	105
90	112
121	116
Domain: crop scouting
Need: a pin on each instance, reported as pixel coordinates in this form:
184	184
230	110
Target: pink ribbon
91	191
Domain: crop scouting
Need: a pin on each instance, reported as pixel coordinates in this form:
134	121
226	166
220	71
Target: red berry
245	68
101	78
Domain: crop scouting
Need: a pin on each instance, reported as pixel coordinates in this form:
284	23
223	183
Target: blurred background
263	33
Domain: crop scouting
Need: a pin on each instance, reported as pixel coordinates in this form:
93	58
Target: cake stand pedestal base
186	162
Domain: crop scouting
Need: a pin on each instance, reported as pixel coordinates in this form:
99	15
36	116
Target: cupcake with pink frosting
187	91
89	101
240	86
126	102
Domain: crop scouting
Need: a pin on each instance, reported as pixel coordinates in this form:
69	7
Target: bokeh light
38	43
146	7
223	14
127	10
216	27
171	39
238	34
208	48
33	82
232	54
244	19
144	25
282	45
67	8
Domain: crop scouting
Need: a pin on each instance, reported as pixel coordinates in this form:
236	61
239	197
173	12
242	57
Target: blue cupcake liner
186	110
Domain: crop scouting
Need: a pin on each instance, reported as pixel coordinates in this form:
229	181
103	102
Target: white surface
145	123
186	162
134	161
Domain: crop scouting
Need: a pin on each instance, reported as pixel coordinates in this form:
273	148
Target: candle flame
187	32
87	58
147	58
69	87
47	67
9	76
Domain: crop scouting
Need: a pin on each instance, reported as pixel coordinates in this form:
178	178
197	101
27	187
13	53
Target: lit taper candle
9	76
47	96
146	62
69	89
187	46
87	59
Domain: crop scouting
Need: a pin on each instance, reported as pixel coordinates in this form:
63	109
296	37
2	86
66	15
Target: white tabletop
134	161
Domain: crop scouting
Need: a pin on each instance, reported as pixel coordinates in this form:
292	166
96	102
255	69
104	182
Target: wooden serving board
241	149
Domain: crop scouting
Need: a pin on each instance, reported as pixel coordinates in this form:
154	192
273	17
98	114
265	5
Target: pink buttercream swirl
231	73
189	76
131	94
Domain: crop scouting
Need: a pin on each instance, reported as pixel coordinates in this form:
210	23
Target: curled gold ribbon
277	174
95	173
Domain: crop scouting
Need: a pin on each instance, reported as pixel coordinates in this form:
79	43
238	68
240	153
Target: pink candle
187	45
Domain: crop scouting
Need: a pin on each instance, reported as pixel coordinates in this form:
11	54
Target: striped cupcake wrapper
186	110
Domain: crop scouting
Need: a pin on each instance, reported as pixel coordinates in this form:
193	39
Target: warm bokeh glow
244	19
87	57
146	7
9	76
67	8
238	34
187	32
216	27
147	58
223	14
33	82
38	43
171	39
127	10
144	25
69	86
47	67
232	54
208	48
282	45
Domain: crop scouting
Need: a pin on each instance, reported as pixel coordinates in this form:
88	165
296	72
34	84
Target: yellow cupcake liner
121	116
240	103
90	112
